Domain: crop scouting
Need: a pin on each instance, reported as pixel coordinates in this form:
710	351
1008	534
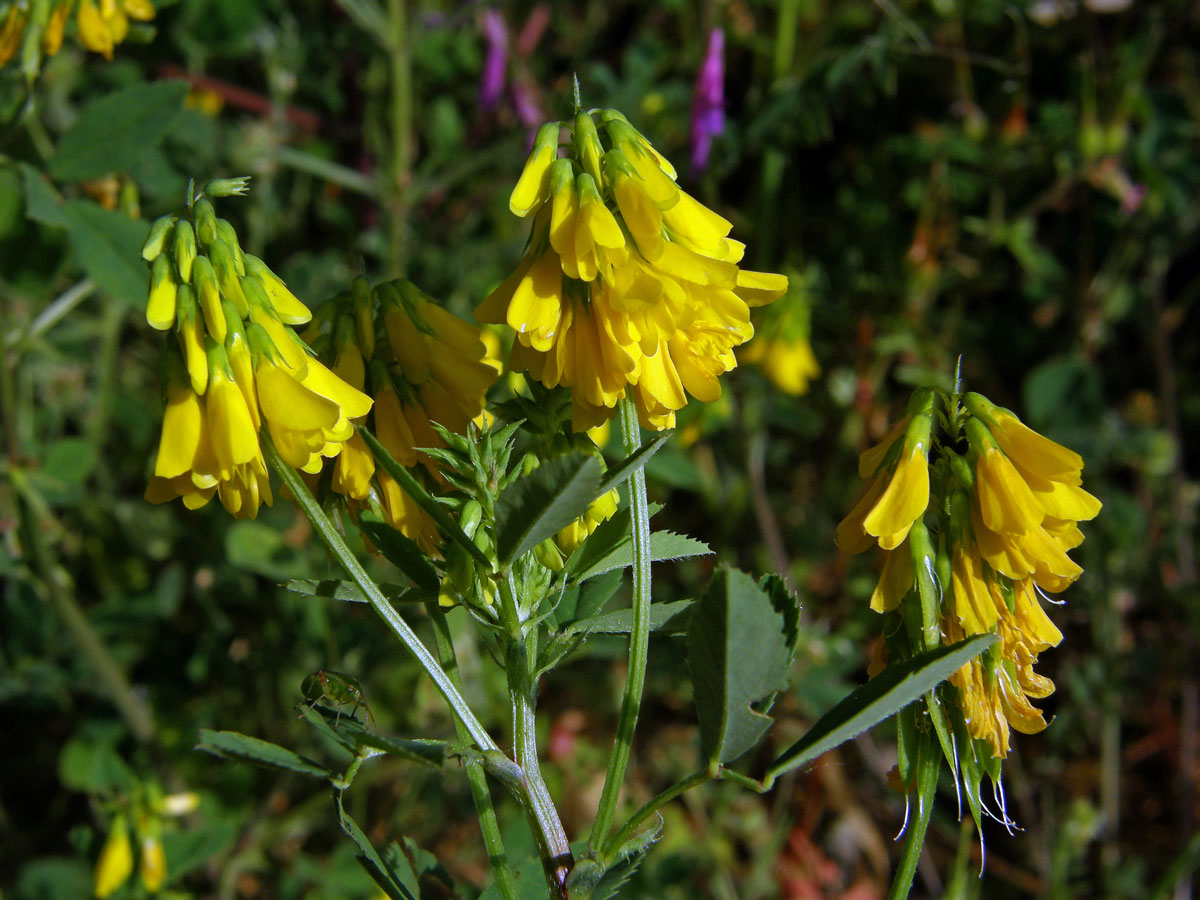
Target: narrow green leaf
242	747
738	656
403	553
887	693
618	473
664	545
108	245
542	503
667	617
447	526
348	591
425	751
114	132
383	874
320	722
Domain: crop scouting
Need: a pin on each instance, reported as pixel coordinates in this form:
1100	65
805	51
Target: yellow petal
906	498
760	288
537	303
286	401
1005	501
183	422
895	580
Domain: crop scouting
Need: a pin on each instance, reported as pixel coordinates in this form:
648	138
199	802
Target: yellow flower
571	536
115	864
11	32
152	863
629	286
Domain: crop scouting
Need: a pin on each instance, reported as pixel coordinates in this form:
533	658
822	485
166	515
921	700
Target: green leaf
42	203
425	751
383	873
349	592
618	473
664	545
320	723
668	617
54	878
589	598
108	246
114	132
738	656
889	692
545	501
607	537
242	747
530	883
447	526
629	857
788	606
259	548
90	764
403	553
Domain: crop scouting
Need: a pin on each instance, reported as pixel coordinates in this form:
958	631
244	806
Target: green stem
639	637
59	308
553	848
929	766
652	806
488	825
337	546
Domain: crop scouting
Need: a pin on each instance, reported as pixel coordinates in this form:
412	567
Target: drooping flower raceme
1002	507
423	366
629	286
235	367
102	24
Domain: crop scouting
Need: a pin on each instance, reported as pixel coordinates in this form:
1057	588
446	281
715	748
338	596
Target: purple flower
708	103
491	84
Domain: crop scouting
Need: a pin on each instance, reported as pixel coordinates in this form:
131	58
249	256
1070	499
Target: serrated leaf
738	657
629	858
383	873
609	535
664	545
108	246
349	592
668	617
590	597
403	553
242	747
788	605
617	474
887	693
114	132
542	503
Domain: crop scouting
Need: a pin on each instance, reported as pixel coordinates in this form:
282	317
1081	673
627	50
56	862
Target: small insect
336	689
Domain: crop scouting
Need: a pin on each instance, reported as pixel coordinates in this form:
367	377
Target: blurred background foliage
1012	184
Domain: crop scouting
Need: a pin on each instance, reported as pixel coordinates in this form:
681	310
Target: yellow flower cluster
629	284
1006	515
114	866
781	347
236	367
422	365
102	25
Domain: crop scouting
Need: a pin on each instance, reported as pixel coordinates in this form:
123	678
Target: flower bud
152	863
534	184
160	233
227	274
160	309
226	233
185	250
204	280
115	864
205	218
228	187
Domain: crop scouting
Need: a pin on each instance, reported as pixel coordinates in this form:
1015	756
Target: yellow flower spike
536	307
640	212
160	309
364	315
635	149
183	421
391	427
289	309
185	250
152	863
533	186
190	326
241	359
115	864
760	288
142	10
11	33
564	208
93	30
234	437
208	294
227	276
408	344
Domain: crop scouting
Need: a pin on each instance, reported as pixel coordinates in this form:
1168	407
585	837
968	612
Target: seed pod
185	250
470	517
160	231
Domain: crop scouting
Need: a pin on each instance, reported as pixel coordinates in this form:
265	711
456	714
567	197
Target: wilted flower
629	286
708	101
